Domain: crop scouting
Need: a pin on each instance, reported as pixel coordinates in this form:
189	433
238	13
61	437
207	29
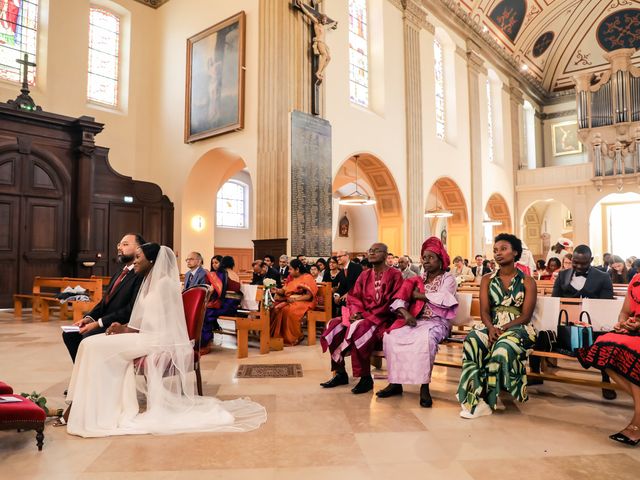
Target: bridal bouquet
268	296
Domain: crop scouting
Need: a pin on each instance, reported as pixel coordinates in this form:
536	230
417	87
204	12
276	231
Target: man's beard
124	259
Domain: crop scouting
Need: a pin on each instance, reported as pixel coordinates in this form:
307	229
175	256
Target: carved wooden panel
243	257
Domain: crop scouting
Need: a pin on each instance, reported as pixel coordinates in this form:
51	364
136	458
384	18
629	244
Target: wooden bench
251	320
43	300
322	312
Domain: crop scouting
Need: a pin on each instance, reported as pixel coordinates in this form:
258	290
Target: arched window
438	66
490	146
104	56
232	205
358	53
18	35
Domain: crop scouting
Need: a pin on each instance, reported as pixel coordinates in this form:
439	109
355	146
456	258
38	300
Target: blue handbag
571	337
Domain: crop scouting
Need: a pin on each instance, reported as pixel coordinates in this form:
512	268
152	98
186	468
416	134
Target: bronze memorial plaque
310	185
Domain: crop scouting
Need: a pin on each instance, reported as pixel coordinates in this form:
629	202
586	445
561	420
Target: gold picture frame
564	138
215	80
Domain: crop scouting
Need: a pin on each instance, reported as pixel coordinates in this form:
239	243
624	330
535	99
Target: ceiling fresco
556	39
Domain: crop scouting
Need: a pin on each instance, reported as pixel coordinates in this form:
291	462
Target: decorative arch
543	222
446	193
206	177
383	187
497	209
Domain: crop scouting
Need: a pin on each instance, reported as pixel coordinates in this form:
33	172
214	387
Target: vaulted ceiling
555	39
153	3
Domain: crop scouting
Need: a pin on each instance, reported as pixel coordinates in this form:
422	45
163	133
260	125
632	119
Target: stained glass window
358	53
489	123
439	77
104	49
232	205
18	35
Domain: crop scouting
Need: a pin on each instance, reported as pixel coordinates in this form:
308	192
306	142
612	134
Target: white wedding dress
104	386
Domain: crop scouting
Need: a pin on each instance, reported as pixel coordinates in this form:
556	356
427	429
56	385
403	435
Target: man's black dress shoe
622	438
608	394
340	378
364	385
425	397
390	390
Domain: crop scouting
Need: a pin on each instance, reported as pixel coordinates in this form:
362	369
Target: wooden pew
322	312
249	320
43	300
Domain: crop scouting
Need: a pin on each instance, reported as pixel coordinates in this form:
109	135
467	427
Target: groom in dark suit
118	300
585	281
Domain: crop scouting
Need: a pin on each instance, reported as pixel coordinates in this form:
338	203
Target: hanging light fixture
356	199
487	222
438	212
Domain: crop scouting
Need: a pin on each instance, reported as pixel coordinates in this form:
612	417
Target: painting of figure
215	80
565	139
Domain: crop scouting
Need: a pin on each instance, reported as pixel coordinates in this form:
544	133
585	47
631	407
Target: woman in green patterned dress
494	356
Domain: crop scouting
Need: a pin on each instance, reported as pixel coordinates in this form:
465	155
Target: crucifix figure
319	22
24	100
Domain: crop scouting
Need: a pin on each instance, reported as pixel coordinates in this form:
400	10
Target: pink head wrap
435	245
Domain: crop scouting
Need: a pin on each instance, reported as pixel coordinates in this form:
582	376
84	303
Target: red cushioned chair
5	389
23	415
194	301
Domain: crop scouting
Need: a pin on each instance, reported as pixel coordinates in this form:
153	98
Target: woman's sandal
622	438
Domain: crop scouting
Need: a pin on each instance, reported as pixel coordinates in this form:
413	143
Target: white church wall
172	158
379	130
363	229
566	112
61	78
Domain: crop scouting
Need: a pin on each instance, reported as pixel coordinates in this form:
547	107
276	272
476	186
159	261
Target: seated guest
350	271
560	249
461	271
606	262
581	281
315	273
283	267
365	265
196	275
635	268
104	390
618	270
526	262
487	266
303	258
629	263
215	263
272	273
225	298
567	262
541	265
426	304
618	354
292	303
334	275
363	321
270	260
478	270
118	300
494	356
258	272
553	266
404	266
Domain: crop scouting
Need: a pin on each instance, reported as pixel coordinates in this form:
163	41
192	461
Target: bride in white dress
104	386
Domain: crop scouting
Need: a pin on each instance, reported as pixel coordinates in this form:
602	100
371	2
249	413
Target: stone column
475	68
414	20
284	73
516	104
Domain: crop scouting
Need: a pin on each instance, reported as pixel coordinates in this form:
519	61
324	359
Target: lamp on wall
356	199
197	223
438	211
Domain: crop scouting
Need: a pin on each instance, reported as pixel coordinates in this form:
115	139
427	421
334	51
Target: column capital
515	92
413	14
475	62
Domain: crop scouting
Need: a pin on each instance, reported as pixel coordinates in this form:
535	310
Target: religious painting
621	29
215	80
564	139
509	16
343	230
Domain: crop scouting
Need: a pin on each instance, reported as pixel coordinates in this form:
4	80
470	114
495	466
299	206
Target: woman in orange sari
291	304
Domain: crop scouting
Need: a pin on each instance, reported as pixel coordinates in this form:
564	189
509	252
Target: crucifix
24	100
318	23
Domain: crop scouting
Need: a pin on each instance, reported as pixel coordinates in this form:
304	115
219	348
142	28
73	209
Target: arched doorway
612	226
375	179
453	231
207	176
543	223
497	210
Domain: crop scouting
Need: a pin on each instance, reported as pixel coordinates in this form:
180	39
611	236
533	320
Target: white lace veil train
172	404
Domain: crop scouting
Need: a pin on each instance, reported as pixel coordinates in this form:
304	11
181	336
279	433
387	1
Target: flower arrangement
268	283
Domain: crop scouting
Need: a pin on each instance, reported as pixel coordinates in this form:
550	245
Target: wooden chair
252	320
322	312
194	301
